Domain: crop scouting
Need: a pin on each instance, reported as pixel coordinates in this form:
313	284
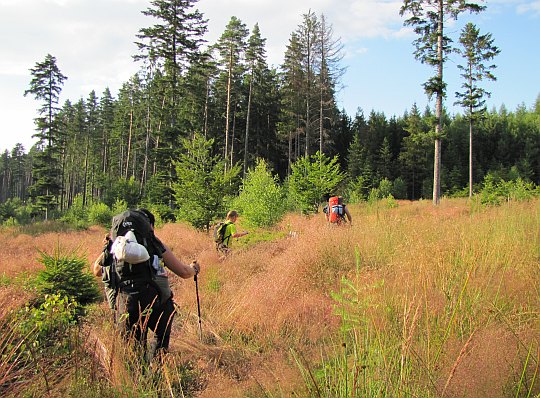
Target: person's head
150	216
232	215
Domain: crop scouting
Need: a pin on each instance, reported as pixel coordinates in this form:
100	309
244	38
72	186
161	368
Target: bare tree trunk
470	159
126	172
438	111
85	179
228	111
144	175
321	119
232	136
206	108
154	166
247	125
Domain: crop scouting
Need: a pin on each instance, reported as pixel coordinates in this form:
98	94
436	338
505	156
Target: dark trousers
140	309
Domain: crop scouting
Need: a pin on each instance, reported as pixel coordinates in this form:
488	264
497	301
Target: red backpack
336	210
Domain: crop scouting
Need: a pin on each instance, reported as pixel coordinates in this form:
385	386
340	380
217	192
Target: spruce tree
433	45
476	49
46	86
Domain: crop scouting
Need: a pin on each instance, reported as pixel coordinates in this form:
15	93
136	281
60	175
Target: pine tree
46	85
174	42
256	67
203	182
329	75
475	49
428	18
232	47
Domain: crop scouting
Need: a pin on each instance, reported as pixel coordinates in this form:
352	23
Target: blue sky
92	41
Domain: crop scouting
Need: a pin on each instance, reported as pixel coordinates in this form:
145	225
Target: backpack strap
228	237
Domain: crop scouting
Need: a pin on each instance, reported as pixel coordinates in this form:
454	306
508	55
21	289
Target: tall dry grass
412	301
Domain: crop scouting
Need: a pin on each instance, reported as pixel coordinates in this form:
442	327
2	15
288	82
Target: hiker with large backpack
336	212
133	268
225	232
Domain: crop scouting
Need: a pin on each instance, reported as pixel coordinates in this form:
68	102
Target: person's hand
106	241
196	267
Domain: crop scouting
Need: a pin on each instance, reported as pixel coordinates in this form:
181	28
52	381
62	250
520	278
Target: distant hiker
225	231
134	263
336	211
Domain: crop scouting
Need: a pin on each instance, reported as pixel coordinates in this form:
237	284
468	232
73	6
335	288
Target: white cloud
529	7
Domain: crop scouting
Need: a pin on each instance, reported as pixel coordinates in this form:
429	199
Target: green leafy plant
49	320
99	213
261	200
65	275
312	178
203	182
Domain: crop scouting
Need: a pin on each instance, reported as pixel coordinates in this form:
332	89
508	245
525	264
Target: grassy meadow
411	301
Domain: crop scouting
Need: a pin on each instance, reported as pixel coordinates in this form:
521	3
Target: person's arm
235	234
239	234
177	266
348	214
96	268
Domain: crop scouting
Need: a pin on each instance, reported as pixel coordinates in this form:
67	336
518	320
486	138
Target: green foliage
496	190
48	321
311	179
385	188
121	188
77	214
15	212
119	206
261	200
99	214
358	190
399	188
66	275
202	182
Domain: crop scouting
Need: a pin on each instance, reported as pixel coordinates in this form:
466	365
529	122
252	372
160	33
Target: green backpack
219	231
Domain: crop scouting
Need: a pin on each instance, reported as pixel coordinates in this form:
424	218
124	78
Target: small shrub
99	213
118	207
399	188
385	188
389	202
311	179
48	321
358	190
76	215
261	199
374	196
64	275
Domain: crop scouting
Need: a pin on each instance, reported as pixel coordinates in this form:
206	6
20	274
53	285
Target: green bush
67	276
358	190
48	321
261	200
124	189
15	212
119	206
496	190
399	188
99	213
311	179
77	214
385	188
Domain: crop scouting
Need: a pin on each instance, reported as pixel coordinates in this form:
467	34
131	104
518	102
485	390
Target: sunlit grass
413	301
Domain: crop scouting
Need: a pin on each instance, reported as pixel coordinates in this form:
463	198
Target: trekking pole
198	305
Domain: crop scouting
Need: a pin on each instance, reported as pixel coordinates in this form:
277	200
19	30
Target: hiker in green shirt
227	232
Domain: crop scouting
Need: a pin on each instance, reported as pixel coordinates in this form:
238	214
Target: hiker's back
336	210
126	224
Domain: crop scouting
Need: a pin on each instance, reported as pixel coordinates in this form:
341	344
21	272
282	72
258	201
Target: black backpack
122	273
